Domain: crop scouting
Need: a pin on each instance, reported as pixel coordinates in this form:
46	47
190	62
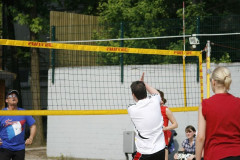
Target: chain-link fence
161	34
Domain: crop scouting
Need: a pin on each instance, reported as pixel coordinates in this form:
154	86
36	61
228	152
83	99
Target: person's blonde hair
223	76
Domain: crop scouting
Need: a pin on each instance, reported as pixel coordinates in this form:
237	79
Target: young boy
148	121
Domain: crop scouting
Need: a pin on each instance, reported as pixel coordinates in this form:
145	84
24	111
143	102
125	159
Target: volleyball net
93	80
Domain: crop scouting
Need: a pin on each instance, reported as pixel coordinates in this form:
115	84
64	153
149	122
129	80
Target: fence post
121	55
53	53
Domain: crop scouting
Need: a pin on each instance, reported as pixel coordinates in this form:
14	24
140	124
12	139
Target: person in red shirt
219	121
167	115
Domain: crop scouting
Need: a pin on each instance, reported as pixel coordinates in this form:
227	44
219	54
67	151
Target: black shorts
231	158
160	155
6	154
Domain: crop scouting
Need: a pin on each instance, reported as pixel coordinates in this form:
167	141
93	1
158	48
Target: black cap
12	91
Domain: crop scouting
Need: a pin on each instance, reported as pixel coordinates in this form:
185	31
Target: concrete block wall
98	137
93	137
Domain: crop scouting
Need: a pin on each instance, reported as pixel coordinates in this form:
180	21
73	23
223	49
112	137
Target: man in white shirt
148	121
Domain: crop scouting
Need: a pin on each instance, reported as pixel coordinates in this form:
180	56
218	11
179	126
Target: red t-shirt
222	115
167	134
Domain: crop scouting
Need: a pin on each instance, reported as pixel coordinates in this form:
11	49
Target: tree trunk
35	89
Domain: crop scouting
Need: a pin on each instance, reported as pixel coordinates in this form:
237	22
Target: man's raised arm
150	89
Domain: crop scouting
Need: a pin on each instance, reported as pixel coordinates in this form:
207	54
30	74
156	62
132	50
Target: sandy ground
38	153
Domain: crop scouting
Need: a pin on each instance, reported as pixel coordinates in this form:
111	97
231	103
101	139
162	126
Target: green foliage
128	10
191	11
147	18
141	19
22	19
32	14
224	59
36	25
35	17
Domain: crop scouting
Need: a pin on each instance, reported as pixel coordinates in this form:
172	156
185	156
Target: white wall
101	136
95	137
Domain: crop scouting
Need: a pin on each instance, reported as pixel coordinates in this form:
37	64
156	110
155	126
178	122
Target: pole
198	31
184	62
53	53
184	81
121	55
183	26
201	76
208	71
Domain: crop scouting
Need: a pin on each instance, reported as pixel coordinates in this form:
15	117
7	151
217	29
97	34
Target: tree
140	18
27	13
147	18
8	33
35	16
215	16
88	7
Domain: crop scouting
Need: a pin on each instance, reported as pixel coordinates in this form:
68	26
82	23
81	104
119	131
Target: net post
208	72
201	75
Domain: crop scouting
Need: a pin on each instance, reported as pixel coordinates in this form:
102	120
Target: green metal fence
221	31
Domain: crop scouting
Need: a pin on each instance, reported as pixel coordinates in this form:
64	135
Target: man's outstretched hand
142	77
